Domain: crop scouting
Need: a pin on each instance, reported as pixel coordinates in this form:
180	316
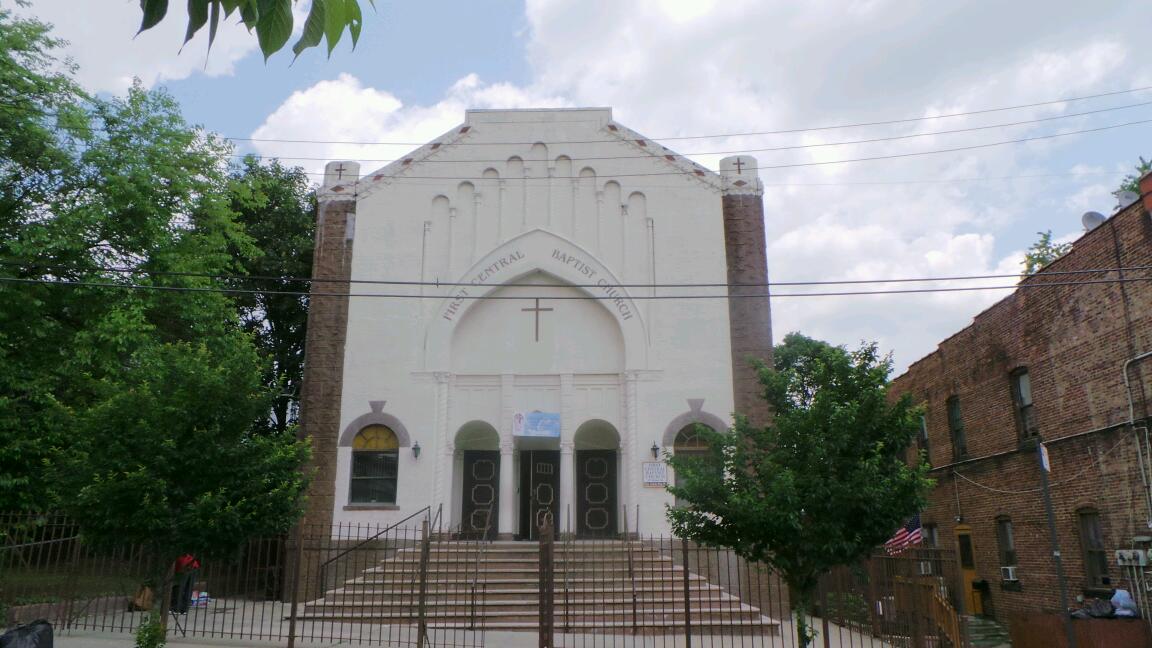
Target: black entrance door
595	493
481	510
539	490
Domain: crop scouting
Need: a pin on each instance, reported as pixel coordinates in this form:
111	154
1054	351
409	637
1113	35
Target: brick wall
1074	340
750	318
324	354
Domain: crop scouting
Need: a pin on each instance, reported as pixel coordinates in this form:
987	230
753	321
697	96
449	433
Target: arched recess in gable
537	251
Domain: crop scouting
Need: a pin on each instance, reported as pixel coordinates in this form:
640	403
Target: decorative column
565	516
508	517
442	454
749	312
629	447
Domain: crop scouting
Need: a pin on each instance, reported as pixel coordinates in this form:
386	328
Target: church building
515	322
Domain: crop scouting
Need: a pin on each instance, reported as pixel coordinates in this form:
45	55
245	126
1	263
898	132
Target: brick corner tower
320	393
749	310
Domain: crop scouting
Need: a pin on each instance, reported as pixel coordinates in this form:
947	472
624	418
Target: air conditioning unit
924	568
1008	573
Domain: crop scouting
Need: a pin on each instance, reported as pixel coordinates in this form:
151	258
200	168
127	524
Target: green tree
1131	181
1043	252
823	484
166	458
271	19
277	207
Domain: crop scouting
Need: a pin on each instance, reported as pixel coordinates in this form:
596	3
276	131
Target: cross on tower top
340	171
739	166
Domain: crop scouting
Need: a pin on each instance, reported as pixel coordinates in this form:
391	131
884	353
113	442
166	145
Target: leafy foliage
165	458
277	208
271	19
1043	252
1131	181
139	409
823	484
150	633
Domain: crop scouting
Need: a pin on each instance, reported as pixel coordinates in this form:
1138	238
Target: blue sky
692	67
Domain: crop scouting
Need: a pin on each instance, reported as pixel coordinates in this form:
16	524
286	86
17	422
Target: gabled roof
475	120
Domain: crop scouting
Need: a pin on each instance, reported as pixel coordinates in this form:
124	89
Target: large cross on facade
739	165
340	171
537	310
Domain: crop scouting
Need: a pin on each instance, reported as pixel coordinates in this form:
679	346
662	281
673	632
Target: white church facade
515	350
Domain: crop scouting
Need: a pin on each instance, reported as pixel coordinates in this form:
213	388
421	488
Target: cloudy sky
676	68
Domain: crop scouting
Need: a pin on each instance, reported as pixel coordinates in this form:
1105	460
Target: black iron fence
423	583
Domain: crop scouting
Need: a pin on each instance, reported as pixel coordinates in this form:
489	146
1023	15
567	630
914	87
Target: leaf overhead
154	11
272	20
313	31
274	27
197	16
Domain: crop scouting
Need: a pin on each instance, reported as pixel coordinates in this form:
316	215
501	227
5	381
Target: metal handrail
481	544
324	565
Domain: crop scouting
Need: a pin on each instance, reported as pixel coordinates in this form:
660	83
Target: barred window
1092	544
1006	541
956	429
1022	398
375	451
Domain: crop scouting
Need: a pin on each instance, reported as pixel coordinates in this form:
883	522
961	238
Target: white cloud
111	56
356	113
673	68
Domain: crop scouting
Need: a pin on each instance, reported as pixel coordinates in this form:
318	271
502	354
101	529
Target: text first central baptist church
495	331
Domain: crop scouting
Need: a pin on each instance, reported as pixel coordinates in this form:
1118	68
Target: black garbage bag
34	634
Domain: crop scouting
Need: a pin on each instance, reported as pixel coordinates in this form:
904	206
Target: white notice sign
655	474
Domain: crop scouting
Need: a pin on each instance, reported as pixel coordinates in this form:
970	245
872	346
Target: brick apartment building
1047	364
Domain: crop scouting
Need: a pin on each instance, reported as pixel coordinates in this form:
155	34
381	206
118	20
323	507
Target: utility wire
32	265
887	122
702	171
250	291
1066	480
741	151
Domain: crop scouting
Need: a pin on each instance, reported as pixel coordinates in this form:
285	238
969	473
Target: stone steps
599	586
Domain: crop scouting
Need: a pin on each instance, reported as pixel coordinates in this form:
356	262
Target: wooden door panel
480	512
596	493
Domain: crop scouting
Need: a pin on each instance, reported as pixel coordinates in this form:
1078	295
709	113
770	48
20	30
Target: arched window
689	442
375	451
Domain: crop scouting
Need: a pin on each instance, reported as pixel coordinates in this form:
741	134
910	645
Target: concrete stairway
599	586
986	633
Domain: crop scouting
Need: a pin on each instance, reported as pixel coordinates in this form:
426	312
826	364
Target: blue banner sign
536	424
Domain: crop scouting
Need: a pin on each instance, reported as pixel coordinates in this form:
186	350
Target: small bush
150	634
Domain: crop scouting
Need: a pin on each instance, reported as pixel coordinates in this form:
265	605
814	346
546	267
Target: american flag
908	535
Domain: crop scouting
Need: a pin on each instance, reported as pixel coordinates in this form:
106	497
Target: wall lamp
655	450
416	450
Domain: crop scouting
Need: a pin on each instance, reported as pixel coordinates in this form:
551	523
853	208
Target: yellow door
967	554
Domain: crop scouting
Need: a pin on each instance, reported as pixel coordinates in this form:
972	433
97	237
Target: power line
702	171
453	284
741	151
249	291
887	122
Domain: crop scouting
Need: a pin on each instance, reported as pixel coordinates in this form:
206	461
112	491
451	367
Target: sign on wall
655	474
536	424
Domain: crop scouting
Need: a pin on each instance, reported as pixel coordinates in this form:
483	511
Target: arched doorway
479	445
689	442
596	444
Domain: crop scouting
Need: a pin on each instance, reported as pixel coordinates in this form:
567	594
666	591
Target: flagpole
1054	540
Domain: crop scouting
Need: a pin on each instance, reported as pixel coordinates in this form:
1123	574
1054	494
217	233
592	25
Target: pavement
838	638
